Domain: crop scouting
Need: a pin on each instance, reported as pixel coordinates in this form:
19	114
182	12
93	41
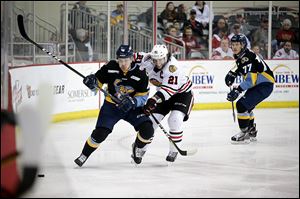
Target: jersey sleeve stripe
100	84
186	87
169	88
169	91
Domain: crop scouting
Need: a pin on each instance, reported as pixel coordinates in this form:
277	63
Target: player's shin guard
175	122
252	128
89	147
143	138
177	138
92	143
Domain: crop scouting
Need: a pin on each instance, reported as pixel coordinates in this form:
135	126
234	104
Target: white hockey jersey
170	80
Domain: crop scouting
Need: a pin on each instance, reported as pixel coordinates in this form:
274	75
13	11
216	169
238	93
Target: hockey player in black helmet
129	84
258	82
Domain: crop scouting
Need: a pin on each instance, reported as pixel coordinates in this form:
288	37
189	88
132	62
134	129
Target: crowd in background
285	37
189	27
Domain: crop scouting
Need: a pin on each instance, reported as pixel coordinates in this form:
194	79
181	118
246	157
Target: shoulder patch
172	68
244	59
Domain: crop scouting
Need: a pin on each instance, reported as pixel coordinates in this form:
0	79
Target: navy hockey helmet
124	51
240	38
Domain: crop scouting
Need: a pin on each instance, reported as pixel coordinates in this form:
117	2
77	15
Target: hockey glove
149	106
230	77
91	82
127	104
232	95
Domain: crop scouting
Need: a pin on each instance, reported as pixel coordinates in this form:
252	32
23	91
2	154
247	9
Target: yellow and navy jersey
119	84
253	69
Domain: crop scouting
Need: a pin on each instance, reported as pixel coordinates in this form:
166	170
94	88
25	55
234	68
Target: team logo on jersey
244	59
122	89
172	68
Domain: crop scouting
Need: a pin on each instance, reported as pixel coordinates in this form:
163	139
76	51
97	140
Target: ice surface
267	168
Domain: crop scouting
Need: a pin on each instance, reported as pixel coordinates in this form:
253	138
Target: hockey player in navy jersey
129	84
173	94
258	82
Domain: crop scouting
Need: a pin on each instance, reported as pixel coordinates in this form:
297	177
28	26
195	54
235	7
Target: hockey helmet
240	38
159	52
124	51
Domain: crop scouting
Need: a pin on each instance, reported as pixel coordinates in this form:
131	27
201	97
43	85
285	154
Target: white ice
267	168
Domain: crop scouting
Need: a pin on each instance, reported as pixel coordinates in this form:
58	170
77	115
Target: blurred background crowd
191	29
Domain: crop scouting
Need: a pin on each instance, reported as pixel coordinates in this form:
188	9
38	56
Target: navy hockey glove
232	95
149	106
91	82
230	77
127	104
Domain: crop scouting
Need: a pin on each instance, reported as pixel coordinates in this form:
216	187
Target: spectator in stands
176	24
195	25
221	24
245	28
146	17
169	14
285	33
237	31
202	14
171	39
83	45
216	40
256	50
223	52
190	41
117	16
181	13
286	52
260	36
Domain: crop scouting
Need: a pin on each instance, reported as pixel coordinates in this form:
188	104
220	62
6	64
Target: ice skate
137	153
172	156
252	133
80	160
241	138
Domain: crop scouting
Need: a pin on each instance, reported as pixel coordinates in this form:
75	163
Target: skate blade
134	163
240	142
252	139
170	164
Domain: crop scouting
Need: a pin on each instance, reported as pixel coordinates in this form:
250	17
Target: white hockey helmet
159	52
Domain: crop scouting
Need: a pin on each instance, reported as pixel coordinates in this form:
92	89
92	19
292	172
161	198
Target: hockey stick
24	34
233	113
182	152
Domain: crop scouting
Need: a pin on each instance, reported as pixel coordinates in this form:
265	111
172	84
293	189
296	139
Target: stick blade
192	152
21	27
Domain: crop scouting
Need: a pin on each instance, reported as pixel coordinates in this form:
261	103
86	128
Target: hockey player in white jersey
173	93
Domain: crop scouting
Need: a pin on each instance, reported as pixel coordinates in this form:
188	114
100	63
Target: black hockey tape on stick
182	152
233	113
25	36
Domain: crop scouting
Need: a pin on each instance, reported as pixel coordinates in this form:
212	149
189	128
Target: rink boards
72	99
